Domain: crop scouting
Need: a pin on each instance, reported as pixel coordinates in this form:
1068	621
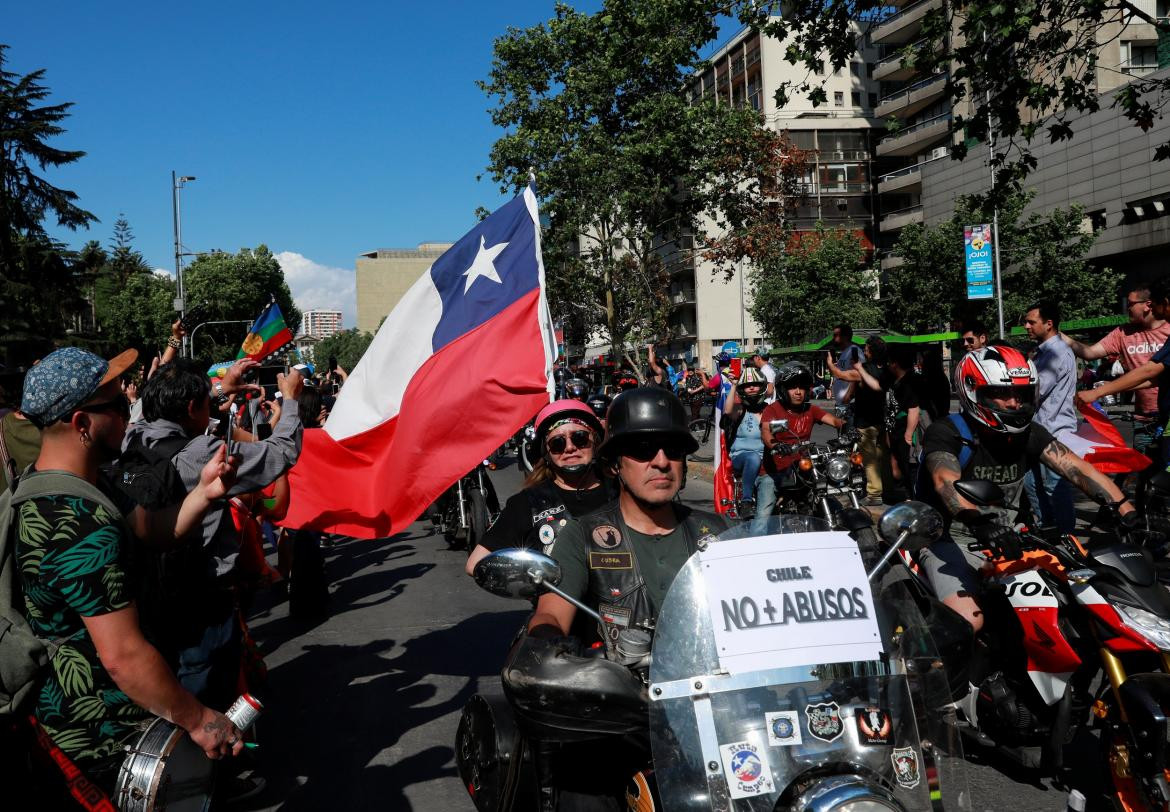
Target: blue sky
320	130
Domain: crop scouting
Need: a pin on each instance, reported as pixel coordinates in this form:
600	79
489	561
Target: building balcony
892	261
891	68
901	218
905	25
907	179
916	138
909	100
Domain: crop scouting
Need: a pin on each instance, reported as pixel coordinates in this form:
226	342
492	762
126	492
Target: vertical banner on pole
978	249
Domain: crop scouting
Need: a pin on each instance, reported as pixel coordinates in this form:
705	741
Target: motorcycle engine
1001	713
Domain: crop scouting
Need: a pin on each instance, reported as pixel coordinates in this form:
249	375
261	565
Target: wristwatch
219	390
174	343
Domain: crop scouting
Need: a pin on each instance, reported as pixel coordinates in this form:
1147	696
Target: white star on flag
484	264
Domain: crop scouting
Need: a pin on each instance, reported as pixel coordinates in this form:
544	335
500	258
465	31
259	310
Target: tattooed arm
1098	487
945	471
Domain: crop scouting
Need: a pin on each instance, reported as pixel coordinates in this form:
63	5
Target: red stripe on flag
1109	454
461	405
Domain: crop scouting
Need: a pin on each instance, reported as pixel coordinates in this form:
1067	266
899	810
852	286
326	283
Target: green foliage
347	346
134	306
595	105
235	287
1043	256
800	291
1016	71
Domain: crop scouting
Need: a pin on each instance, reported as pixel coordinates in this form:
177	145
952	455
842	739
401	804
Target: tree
594	104
1043	256
347	346
234	287
37	285
1015	70
801	289
140	314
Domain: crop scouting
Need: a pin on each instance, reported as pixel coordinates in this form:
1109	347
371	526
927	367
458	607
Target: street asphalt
363	705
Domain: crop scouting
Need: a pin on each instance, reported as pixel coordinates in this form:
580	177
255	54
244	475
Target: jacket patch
611	561
607	536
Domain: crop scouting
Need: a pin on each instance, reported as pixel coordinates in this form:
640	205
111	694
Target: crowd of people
140	502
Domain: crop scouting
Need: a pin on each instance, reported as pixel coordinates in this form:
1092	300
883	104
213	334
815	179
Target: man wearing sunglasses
564	484
1134	344
72	541
974	337
621	559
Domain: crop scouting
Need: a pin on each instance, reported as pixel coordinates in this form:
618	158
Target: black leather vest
549	514
616	586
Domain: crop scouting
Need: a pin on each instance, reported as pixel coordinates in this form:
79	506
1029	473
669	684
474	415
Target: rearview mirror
921	523
980	492
516	573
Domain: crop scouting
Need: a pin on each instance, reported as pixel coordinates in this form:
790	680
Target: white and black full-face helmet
986	377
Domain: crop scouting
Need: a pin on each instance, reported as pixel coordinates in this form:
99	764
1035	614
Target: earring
85	439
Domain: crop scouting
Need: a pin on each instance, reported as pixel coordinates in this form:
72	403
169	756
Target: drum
165	770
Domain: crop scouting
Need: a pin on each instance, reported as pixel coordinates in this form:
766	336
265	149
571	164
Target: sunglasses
646	450
119	406
1132	303
581	439
968	340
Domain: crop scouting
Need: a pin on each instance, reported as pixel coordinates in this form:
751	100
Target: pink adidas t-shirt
1134	349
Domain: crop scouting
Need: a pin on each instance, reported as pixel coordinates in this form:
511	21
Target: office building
383	276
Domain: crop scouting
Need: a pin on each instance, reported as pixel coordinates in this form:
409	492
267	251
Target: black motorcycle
683	730
467	509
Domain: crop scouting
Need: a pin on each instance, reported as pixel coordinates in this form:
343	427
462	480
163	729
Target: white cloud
164	272
315	286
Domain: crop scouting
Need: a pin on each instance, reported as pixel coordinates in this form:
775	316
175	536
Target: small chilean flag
1099	443
269	334
462	362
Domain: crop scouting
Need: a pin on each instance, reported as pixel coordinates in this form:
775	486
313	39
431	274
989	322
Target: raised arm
1130	380
1089	352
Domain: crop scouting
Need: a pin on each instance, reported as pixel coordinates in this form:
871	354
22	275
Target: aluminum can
244	711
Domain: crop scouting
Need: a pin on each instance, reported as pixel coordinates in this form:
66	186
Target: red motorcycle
1057	617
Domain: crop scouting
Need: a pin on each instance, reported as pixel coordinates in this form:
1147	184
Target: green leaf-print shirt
72	557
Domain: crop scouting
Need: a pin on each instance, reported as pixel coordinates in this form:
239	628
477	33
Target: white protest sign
789	600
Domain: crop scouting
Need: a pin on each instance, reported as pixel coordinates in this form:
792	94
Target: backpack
923	485
147	474
24	657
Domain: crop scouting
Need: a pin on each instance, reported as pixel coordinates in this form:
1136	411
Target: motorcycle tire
478	519
701	430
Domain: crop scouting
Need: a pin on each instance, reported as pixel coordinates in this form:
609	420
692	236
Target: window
855	98
855	68
838	99
873	100
819	67
1138	60
868	70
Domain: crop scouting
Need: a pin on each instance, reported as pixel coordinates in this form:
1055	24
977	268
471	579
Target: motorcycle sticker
606	536
547	534
905	767
824	721
783	728
614	619
746	768
874	726
638	795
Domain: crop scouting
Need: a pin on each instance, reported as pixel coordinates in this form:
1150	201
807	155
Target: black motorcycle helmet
599	403
576	389
790	376
647	411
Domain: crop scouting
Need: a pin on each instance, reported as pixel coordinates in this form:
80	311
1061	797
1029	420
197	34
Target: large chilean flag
462	362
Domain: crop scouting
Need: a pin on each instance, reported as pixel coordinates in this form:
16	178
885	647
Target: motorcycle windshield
780	678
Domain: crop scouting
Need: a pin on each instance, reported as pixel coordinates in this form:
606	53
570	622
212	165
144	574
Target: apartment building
915	153
320	323
838	185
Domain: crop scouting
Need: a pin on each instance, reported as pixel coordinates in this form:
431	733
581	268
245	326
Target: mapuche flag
463	361
269	335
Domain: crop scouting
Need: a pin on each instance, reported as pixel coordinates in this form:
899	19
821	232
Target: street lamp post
195	329
180	300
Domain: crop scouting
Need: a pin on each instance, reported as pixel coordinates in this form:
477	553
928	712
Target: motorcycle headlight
846	793
839	469
1147	624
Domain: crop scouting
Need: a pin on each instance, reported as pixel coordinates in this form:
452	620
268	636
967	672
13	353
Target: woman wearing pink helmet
564	484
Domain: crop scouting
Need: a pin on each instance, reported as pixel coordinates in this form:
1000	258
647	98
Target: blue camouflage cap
67	378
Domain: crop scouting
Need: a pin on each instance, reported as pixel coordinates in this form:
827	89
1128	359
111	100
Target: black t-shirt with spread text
869	407
997	457
515	520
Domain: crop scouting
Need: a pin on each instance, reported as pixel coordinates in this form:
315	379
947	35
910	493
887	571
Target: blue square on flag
491	267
